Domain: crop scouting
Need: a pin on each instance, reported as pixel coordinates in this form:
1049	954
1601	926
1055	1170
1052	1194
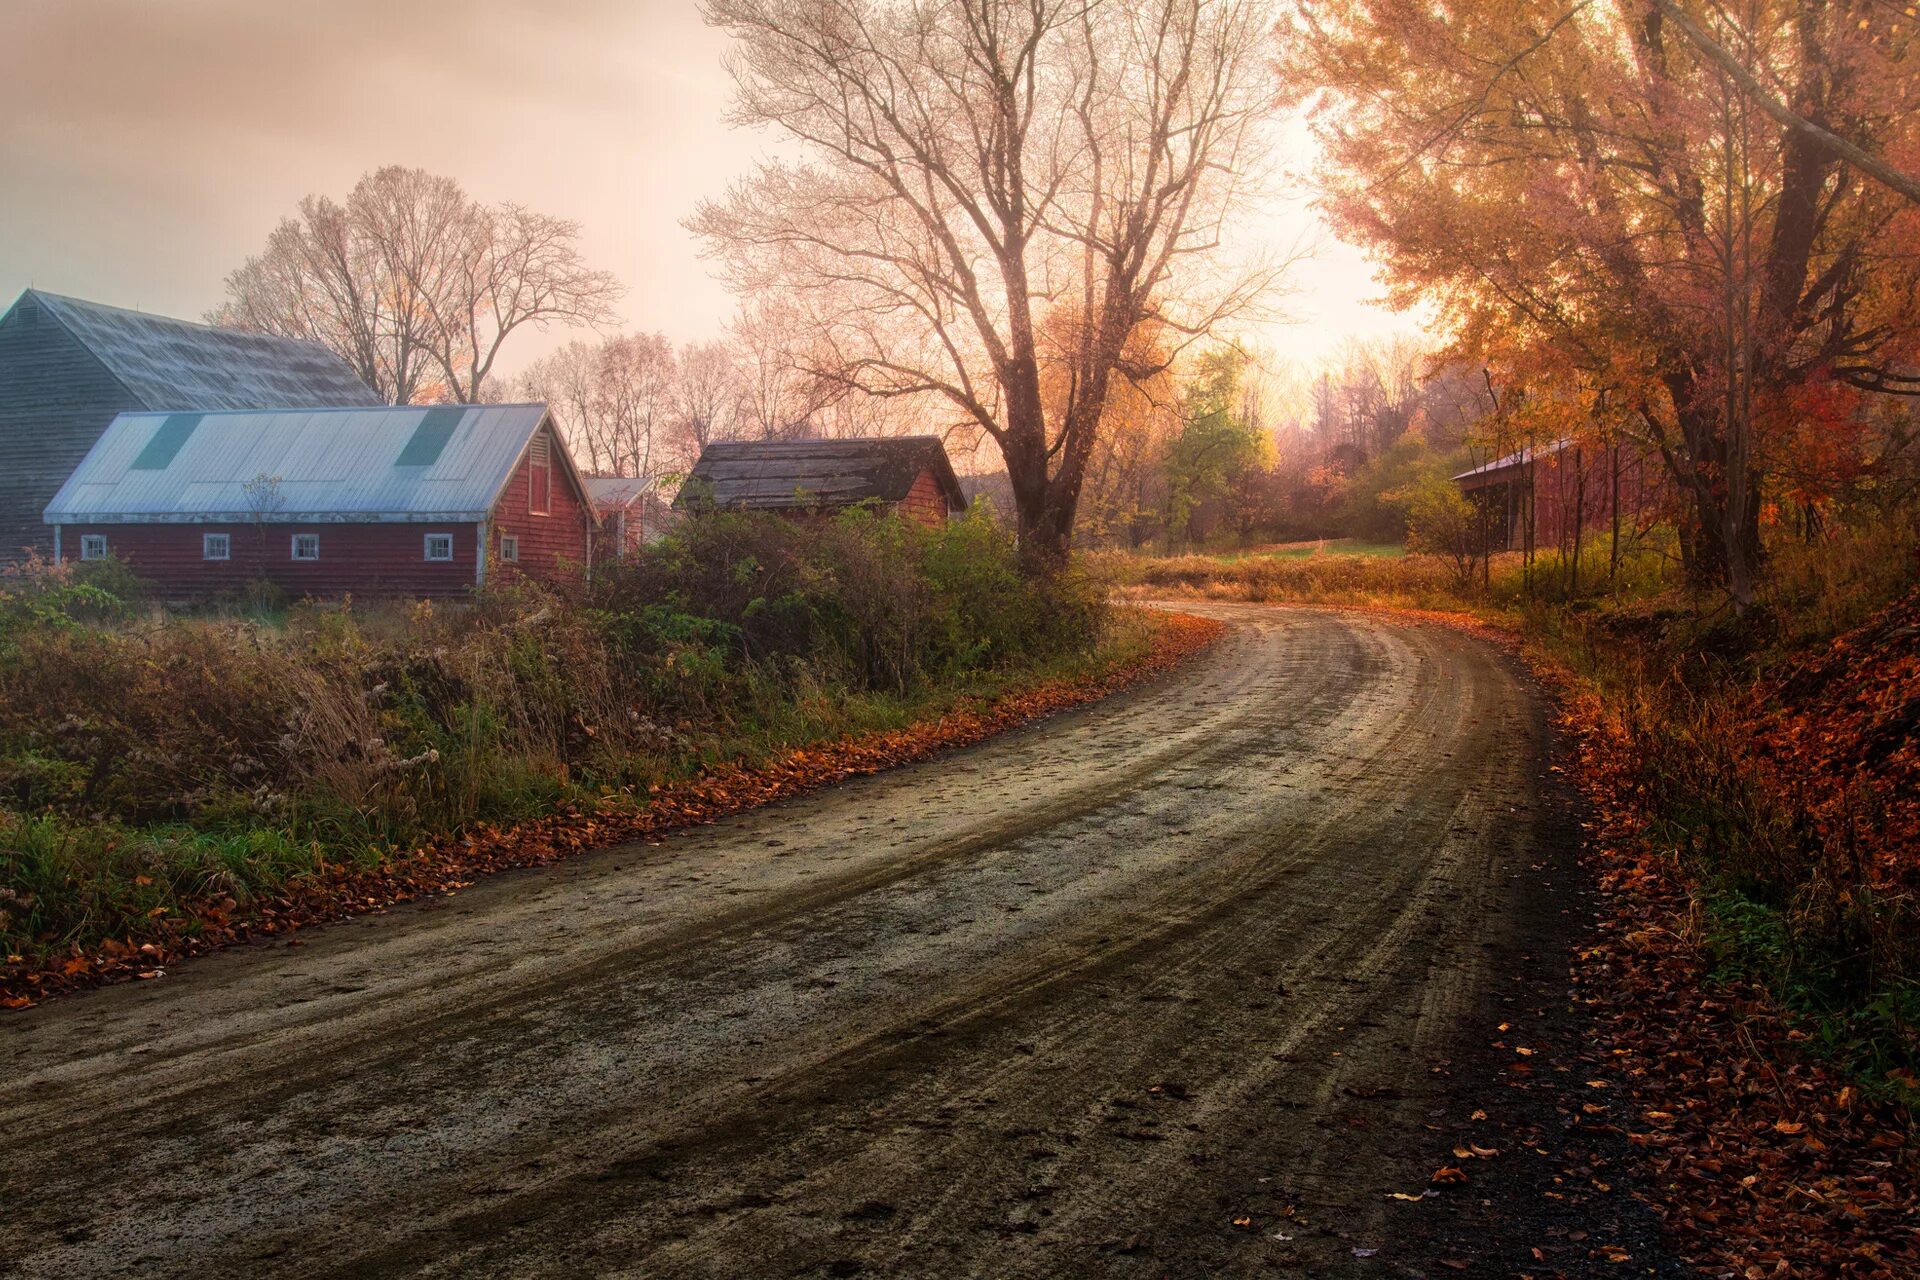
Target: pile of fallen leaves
1838	732
1766	1162
341	892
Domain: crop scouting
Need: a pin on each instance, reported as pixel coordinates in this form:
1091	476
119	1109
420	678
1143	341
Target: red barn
405	500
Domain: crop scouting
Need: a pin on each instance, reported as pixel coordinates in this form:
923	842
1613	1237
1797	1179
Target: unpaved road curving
1069	1003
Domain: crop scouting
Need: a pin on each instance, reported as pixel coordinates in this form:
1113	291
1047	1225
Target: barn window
306	546
439	546
216	546
509	548
93	546
540	476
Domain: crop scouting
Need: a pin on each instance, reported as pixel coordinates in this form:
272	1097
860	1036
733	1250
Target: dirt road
1167	986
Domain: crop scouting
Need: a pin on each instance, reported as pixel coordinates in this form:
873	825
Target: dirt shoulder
447	866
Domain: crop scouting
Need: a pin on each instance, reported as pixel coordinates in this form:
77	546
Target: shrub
191	755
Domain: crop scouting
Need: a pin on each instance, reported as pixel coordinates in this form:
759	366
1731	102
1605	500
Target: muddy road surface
1176	984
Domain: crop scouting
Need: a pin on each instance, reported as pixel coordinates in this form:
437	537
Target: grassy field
1318	547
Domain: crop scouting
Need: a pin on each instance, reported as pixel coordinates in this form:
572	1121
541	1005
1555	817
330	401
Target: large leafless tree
614	399
967	166
415	284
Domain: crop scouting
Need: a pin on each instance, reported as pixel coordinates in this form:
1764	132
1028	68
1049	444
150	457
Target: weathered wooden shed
1552	495
909	474
67	367
630	511
407	500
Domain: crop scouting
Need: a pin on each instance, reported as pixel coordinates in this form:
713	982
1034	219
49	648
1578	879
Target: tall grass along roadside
150	760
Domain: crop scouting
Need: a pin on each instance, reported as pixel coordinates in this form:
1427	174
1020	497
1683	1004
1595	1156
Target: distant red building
404	501
630	514
1565	490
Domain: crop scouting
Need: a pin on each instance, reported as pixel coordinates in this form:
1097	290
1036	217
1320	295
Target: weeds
147	762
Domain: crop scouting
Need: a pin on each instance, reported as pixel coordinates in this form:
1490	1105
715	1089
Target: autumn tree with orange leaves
1611	217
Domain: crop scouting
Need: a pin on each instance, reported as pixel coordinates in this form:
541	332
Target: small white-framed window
306	546
439	546
93	546
216	546
509	548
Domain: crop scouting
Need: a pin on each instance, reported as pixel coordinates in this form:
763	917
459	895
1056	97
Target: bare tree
707	397
639	383
416	285
324	279
612	399
779	393
971	165
509	267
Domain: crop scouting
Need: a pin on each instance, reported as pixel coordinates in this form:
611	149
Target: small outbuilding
630	512
908	474
67	367
407	500
1554	495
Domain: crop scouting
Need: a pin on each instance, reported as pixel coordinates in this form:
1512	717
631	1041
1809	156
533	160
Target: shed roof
405	463
776	474
609	493
175	364
1489	472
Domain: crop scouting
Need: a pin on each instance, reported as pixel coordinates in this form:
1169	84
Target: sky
147	147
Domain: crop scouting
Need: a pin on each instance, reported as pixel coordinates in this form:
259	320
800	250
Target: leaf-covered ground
1767	1162
1838	733
342	892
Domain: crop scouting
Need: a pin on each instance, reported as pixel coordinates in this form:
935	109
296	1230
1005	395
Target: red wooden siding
925	501
366	559
621	531
552	546
1571	490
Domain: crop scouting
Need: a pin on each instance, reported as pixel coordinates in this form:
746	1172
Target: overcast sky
148	146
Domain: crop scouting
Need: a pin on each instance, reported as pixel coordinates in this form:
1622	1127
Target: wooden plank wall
553	546
56	399
364	559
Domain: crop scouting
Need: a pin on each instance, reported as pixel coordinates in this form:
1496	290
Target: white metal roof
405	463
609	492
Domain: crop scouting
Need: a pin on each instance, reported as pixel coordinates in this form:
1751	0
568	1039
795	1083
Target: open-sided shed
1556	494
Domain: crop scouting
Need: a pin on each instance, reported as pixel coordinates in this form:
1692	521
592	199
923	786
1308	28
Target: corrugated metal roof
773	474
330	464
610	492
174	364
1515	459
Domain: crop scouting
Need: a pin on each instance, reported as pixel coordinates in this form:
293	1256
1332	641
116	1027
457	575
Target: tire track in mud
1263	885
380	1039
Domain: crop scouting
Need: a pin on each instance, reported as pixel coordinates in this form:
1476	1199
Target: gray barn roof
406	463
776	474
173	364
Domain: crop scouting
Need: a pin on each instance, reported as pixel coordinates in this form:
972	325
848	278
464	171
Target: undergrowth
149	760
